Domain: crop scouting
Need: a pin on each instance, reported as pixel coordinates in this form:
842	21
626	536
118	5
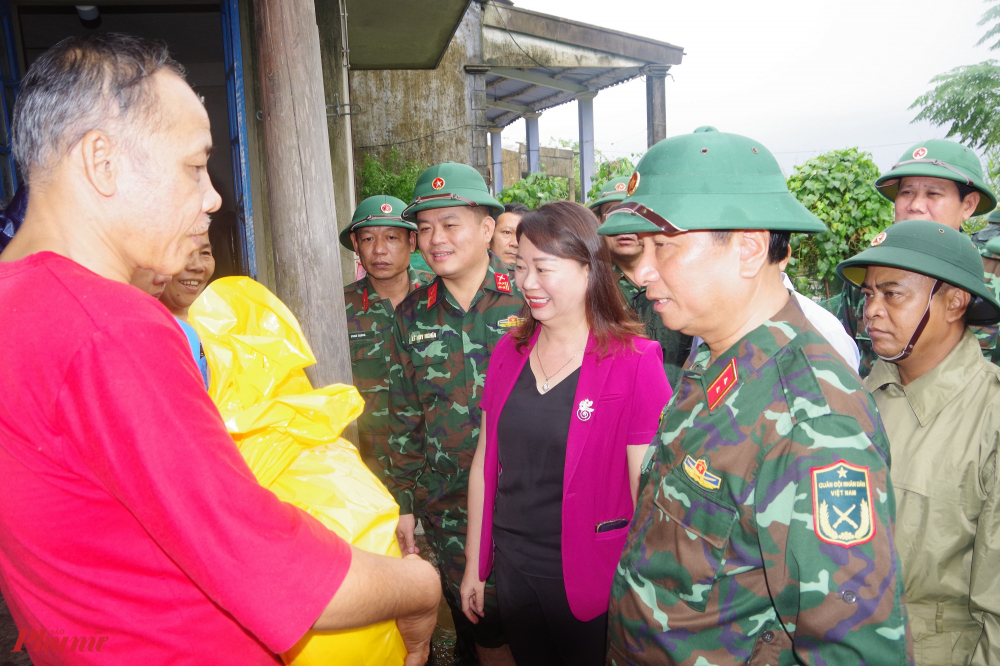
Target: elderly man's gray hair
82	84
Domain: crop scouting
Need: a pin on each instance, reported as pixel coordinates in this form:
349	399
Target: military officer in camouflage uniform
625	252
441	343
763	532
936	180
383	241
938	398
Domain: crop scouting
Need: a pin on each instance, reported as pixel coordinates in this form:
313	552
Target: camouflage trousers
449	549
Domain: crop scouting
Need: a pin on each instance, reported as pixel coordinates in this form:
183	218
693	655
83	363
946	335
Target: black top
531	440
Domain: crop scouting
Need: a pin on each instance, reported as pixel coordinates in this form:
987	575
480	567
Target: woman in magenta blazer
572	400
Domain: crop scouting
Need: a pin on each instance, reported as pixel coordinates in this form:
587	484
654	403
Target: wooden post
300	181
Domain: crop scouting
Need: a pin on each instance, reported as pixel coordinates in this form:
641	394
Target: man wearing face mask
939	399
936	180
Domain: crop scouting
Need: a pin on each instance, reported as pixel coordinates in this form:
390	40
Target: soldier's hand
416	629
473	595
404	534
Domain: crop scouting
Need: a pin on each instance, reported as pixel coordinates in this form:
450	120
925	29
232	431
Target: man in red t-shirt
129	523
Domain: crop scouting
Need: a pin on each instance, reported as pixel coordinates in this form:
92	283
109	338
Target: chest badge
432	295
585	410
722	385
698	471
842	504
512	321
503	282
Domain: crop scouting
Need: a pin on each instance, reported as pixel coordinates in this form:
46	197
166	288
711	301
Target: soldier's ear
354	241
413	242
754	247
489	224
956	303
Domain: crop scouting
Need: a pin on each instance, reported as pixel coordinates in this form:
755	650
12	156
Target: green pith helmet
939	158
378	211
994	217
611	191
708	180
450	184
934	250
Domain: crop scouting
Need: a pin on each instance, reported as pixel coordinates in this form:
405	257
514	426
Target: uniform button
850	597
767	636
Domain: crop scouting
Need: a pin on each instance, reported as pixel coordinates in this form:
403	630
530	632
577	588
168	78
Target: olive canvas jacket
943	429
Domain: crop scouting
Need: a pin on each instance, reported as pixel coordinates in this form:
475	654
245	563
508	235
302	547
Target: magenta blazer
618	403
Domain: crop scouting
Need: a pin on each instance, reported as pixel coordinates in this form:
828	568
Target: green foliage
992	15
395	176
609	170
838	188
535	190
967	99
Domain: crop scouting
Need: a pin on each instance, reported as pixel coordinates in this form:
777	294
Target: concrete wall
430	116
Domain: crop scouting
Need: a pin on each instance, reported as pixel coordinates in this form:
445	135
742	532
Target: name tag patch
423	336
361	335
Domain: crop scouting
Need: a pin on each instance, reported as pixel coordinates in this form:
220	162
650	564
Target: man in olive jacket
940	403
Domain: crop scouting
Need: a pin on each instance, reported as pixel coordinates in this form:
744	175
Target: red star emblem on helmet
386	208
633	183
619	187
437	183
920	153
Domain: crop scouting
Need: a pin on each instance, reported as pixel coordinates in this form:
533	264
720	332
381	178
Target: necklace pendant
545	387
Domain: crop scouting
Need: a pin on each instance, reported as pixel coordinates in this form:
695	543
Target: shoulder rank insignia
503	282
432	295
364	301
842	504
512	321
698	471
722	385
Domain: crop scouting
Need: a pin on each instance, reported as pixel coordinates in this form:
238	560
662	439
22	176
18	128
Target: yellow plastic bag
289	434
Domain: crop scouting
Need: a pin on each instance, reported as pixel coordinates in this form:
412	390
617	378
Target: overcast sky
800	76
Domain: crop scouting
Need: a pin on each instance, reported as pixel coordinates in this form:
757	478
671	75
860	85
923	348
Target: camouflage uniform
732	556
676	346
439	355
369	325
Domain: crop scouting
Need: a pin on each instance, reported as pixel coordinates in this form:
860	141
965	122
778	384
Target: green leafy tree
992	15
609	170
535	190
838	188
394	176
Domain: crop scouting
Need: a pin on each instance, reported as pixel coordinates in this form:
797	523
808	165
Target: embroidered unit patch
842	504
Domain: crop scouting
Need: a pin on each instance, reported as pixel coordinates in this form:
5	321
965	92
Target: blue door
238	131
9	80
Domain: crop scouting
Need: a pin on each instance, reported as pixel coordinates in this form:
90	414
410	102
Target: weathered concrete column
656	103
585	108
300	182
496	158
531	136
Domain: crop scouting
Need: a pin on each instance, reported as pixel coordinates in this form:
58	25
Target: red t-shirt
126	511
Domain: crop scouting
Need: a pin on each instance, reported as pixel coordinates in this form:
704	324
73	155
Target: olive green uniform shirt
369	324
943	430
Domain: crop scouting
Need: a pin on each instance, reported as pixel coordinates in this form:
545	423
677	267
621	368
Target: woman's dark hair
568	230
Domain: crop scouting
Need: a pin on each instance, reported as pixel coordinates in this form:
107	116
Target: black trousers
540	627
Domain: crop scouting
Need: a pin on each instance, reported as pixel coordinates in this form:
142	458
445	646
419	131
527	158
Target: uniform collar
497	279
365	285
755	348
620	274
930	393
